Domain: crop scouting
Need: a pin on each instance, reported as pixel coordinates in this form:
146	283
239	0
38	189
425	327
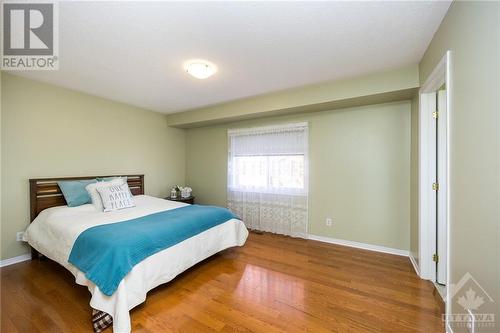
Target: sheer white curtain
268	178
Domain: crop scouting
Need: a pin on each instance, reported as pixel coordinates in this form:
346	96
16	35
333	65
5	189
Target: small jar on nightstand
188	200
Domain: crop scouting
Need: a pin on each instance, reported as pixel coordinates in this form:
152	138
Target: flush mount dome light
200	69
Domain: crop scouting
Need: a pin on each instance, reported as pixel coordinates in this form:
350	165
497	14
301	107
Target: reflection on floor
272	284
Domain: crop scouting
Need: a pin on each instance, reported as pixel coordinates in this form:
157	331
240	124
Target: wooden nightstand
189	200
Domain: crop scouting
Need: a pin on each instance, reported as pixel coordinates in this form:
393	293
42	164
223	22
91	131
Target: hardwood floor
272	284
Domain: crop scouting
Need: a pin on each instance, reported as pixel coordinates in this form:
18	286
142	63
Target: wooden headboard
45	193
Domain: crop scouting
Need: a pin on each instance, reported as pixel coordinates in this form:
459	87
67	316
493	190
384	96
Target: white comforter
55	230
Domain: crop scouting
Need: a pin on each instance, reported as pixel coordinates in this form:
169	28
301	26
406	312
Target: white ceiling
133	52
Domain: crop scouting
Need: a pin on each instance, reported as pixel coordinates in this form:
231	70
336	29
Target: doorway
434	120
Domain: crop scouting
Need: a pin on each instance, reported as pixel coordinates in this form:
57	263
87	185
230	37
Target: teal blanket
107	253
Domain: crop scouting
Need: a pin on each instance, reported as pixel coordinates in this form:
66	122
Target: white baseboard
414	263
15	260
364	246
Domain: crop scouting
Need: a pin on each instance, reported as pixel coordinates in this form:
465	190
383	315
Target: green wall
471	30
359	170
48	131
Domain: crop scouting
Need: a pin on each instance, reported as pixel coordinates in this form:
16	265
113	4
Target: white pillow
116	197
94	195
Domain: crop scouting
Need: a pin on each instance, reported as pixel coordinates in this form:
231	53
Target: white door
441	200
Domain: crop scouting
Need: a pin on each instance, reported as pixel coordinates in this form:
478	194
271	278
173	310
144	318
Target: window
268	159
268	173
268	178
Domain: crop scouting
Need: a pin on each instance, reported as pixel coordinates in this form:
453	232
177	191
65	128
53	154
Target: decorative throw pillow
116	197
74	191
94	195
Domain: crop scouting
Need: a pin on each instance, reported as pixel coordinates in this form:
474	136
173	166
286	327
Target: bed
55	227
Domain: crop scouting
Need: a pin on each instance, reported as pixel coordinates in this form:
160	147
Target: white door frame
442	172
427	170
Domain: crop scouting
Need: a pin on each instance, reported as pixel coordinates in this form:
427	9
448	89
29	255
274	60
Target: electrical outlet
19	236
328	222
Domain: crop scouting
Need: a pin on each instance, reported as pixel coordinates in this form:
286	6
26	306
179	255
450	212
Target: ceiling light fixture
200	69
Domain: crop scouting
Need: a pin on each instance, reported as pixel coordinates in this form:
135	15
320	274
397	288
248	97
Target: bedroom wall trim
414	263
358	245
15	260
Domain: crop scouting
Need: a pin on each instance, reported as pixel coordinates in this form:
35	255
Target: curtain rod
266	128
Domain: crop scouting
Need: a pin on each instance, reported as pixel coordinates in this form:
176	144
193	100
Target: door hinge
435	257
435	114
435	186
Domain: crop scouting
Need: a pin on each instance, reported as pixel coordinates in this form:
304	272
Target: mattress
55	230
